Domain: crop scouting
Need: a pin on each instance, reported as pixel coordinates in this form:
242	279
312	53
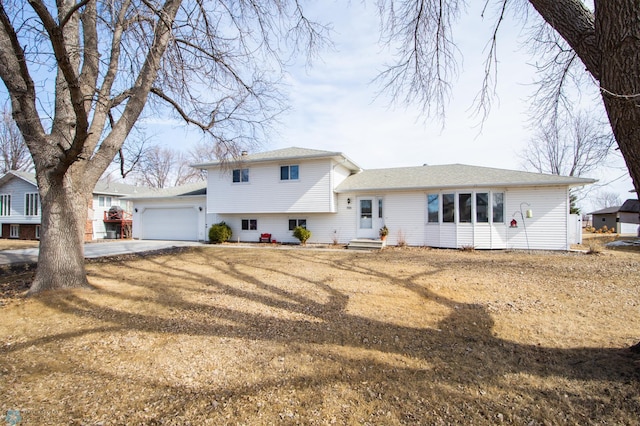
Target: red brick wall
27	232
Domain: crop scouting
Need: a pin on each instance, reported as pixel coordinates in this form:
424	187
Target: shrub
401	239
219	232
303	234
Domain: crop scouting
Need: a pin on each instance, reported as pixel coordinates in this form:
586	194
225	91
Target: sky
334	104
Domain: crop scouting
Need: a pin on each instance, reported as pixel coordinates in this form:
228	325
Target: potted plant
384	231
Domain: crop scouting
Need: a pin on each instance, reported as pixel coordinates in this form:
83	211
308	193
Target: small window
433	207
240	175
293	223
32	204
498	207
448	207
5	205
380	208
37	232
482	207
249	224
289	173
14	231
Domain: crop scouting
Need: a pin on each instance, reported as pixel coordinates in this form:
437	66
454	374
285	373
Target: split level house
108	215
449	206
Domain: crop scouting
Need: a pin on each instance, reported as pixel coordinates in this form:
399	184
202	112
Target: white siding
432	235
628	223
482	236
195	203
266	193
99	228
548	228
17	188
404	215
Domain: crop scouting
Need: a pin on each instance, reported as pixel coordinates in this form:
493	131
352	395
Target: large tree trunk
617	26
61	258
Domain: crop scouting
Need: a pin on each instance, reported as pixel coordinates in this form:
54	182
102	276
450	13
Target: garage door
170	224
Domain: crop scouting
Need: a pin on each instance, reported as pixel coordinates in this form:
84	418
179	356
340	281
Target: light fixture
200	208
348	200
135	210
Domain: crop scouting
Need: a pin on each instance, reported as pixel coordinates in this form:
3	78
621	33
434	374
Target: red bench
265	238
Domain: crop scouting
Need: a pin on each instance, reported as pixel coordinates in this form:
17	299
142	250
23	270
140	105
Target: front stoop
366	244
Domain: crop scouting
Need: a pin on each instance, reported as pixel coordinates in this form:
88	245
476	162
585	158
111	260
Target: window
482	207
5	205
380	207
498	207
37	232
366	214
14	231
104	201
464	207
297	222
448	207
249	224
240	175
31	204
289	173
433	207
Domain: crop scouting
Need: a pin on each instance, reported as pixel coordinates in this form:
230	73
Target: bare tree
604	199
573	147
575	44
13	151
162	167
215	65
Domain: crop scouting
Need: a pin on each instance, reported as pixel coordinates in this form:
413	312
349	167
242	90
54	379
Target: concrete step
366	244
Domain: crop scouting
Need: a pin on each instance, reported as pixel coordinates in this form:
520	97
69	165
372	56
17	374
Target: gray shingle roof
191	189
284	154
102	187
607	210
450	176
630	206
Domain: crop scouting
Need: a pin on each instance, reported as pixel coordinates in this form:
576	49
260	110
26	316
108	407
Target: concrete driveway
101	249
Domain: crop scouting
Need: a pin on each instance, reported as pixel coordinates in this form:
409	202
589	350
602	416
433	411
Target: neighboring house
20	210
438	206
624	219
171	213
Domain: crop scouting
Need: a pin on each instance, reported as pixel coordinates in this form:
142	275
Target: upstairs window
240	175
104	201
5	205
32	204
289	172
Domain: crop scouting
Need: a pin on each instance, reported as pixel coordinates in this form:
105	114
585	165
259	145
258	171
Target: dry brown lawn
225	335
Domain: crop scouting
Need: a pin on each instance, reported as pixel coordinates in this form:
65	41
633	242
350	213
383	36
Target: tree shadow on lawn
471	373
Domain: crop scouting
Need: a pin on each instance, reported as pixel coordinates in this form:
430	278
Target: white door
179	223
369	220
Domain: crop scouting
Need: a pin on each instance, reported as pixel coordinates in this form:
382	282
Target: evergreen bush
219	233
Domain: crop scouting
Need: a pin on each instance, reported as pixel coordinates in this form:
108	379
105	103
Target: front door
369	222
